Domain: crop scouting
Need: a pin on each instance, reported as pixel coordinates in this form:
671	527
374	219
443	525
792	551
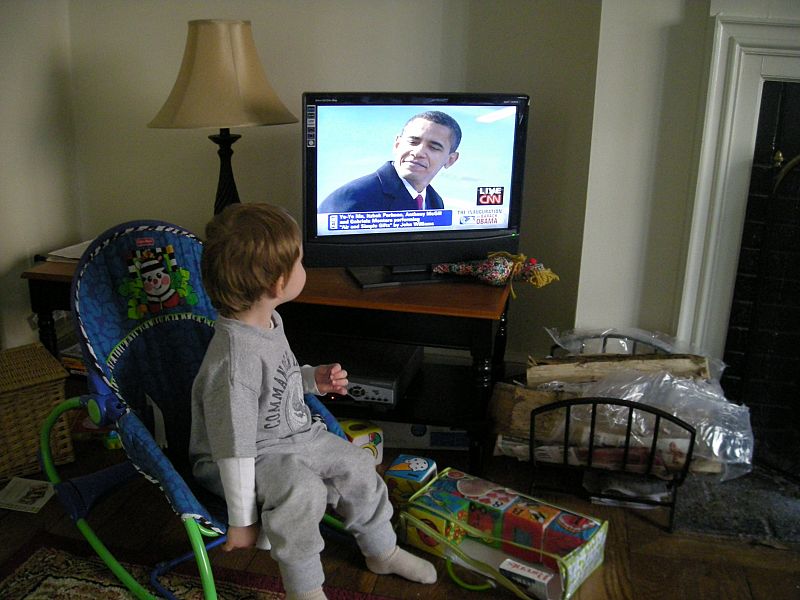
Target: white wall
37	209
650	81
652	78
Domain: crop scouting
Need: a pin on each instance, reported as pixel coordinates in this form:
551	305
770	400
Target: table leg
500	339
482	385
47	296
47	331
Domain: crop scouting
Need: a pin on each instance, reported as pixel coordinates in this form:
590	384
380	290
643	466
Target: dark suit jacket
381	190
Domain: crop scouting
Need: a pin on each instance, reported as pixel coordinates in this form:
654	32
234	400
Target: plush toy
501	268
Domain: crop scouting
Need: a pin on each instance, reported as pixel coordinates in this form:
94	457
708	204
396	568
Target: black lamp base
226	188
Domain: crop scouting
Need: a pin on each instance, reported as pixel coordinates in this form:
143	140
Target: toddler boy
252	437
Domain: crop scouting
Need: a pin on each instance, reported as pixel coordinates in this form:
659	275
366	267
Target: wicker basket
31	384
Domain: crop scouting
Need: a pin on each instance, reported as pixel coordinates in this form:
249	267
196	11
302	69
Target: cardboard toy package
527	545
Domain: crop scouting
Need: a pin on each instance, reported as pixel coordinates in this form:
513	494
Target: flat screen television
358	213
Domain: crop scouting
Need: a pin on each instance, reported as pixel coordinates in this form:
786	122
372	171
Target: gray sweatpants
294	484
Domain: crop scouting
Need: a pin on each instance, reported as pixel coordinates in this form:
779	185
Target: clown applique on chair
156	282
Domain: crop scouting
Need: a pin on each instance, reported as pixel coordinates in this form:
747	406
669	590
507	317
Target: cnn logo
490	196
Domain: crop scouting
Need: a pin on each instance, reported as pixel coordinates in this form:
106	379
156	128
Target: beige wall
650	81
616	85
549	50
37	209
546	49
125	56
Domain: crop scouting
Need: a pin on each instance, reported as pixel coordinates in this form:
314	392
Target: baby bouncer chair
144	322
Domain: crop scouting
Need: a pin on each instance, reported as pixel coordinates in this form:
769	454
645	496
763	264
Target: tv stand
373	277
466	315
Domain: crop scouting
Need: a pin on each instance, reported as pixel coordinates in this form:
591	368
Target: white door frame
745	53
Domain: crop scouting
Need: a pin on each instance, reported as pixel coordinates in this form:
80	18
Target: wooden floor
642	562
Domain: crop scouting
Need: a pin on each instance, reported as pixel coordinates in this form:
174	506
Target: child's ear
277	291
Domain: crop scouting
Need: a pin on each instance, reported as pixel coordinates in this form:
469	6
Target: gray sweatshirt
248	394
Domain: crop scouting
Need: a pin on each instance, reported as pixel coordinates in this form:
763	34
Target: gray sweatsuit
247	402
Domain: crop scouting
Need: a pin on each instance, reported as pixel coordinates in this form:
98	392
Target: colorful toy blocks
442	513
406	475
523	529
365	434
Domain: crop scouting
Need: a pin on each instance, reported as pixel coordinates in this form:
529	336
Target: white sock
316	594
405	564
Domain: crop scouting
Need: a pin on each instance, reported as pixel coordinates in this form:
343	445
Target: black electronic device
379	373
351	135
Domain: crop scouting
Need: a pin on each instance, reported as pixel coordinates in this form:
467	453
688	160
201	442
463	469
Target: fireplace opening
762	347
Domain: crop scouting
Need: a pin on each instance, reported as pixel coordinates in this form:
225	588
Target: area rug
761	507
50	568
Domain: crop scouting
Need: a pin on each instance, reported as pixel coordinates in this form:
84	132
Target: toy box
532	547
365	434
406	475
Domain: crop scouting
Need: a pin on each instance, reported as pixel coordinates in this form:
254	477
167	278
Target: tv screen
397	182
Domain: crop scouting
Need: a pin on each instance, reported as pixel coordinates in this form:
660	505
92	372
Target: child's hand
241	537
331	379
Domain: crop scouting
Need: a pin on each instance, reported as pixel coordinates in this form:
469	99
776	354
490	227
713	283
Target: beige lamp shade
221	83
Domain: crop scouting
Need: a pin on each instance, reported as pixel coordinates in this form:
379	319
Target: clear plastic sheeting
724	436
626	341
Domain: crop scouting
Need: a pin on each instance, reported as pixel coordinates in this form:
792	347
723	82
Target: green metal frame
193	529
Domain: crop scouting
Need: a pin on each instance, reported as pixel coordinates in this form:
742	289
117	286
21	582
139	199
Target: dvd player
379	373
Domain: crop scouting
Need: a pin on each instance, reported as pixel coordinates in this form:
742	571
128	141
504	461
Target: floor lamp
221	84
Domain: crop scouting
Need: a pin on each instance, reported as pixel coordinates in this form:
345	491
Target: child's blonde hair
248	248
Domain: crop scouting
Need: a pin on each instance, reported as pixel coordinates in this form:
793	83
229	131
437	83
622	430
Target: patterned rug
51	569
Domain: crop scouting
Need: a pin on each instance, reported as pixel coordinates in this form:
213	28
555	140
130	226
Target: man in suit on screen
428	143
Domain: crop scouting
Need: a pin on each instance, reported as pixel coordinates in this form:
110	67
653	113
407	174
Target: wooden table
462	315
49	287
